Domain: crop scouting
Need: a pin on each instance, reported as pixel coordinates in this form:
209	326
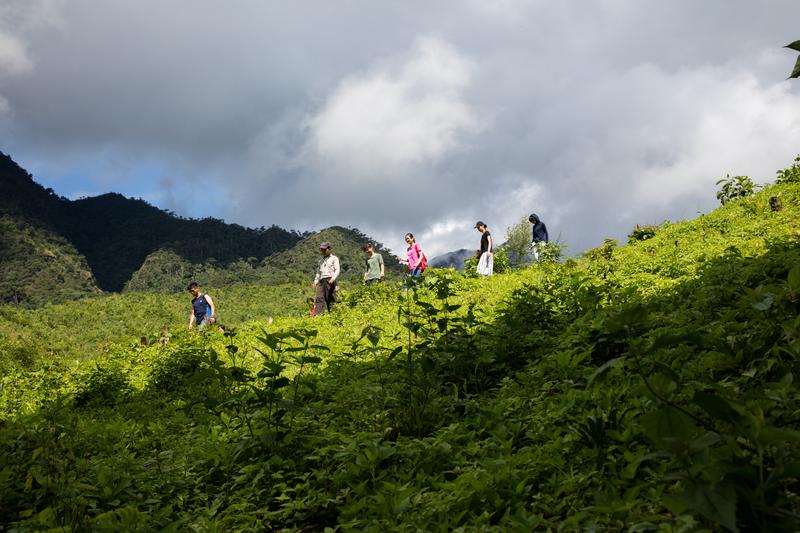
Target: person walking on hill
374	262
325	280
203	310
417	262
539	235
486	259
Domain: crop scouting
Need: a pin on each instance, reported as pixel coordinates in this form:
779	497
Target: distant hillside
39	266
166	271
452	259
347	246
116	234
132	229
163	271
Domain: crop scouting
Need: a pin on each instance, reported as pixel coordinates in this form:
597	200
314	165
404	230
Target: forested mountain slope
166	271
38	266
116	234
346	244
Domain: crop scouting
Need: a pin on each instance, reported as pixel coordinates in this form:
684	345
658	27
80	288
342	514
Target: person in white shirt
325	280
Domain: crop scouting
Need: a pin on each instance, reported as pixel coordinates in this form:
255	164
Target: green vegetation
132	245
39	266
642	233
518	243
347	246
734	187
796	70
165	271
791	174
116	234
645	387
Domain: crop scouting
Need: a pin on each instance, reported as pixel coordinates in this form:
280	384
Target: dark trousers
324	297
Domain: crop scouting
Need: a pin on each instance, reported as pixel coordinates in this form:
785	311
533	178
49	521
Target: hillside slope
40	267
166	271
644	387
116	234
347	245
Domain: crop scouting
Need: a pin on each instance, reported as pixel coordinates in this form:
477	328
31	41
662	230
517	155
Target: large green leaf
772	435
617	361
717	407
667	423
794	273
715	502
796	72
794	46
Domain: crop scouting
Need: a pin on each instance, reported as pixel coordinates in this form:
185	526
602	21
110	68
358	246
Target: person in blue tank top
203	310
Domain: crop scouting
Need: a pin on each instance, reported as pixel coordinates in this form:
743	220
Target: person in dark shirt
203	310
539	236
486	259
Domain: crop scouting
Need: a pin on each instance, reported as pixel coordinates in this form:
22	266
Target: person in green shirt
374	263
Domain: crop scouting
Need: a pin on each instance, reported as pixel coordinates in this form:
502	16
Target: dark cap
480	223
324	245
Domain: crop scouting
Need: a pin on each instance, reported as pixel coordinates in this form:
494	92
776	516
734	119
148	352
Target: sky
403	116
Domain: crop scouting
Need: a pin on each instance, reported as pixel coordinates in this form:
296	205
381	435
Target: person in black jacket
539	234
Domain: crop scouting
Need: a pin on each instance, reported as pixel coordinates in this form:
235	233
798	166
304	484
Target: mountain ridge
127	244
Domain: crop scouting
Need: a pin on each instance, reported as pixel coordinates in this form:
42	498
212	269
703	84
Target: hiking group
325	287
485	256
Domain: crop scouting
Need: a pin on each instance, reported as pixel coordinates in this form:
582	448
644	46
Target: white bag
486	264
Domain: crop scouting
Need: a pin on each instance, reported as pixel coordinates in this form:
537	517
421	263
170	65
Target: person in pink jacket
416	259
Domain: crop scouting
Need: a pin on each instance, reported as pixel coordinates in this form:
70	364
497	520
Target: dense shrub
734	187
103	386
501	263
171	370
791	174
642	233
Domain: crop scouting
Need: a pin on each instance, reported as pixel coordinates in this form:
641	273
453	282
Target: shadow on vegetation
584	402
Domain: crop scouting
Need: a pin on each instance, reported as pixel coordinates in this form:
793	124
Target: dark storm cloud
412	116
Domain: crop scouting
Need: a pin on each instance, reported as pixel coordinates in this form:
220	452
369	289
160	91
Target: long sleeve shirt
540	233
328	268
414	256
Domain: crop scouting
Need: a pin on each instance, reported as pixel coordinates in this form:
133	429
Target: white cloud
445	236
596	116
14	58
19	19
722	122
391	118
